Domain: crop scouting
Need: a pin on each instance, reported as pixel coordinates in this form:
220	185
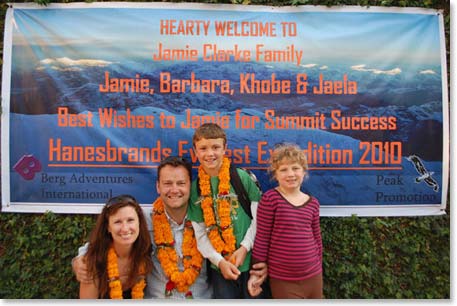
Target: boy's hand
80	269
238	257
254	285
229	270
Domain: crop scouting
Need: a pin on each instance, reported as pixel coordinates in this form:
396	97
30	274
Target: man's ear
157	187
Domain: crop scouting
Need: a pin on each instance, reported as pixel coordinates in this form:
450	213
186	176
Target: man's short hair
175	161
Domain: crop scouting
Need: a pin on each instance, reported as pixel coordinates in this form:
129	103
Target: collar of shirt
173	224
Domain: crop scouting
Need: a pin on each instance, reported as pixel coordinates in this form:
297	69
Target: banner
95	95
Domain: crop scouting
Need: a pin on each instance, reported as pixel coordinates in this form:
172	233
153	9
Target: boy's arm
227	269
254	195
204	244
248	240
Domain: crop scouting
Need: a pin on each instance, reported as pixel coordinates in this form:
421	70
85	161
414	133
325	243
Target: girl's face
210	153
290	175
124	226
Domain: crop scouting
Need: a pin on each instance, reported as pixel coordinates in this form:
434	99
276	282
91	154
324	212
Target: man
174	177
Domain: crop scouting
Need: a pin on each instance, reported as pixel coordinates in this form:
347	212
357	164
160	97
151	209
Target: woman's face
124	226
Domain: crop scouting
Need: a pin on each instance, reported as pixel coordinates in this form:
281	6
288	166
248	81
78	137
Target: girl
288	235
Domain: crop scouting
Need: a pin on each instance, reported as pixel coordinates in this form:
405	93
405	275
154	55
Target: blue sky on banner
321	35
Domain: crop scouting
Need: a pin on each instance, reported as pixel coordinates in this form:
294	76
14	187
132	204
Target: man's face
174	187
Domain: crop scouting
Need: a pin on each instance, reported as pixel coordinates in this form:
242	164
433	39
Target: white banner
95	95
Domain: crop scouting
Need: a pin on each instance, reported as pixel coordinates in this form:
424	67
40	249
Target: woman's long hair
101	240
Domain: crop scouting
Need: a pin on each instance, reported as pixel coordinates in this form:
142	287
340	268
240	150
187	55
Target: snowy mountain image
98	112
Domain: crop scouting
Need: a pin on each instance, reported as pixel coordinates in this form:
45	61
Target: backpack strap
199	192
243	197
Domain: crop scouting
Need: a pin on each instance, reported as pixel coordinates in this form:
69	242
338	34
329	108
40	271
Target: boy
225	233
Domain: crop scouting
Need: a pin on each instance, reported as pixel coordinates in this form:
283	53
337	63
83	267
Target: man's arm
79	266
88	290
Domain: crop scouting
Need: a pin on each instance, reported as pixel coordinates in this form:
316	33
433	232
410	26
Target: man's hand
260	271
229	270
254	285
80	269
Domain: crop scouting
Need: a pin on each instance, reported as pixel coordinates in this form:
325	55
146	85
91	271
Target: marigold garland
115	282
219	233
168	258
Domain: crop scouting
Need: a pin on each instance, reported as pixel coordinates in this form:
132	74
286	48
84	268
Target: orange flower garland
115	283
168	258
220	234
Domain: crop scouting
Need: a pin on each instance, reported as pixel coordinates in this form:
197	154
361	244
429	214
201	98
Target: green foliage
36	252
364	258
388	258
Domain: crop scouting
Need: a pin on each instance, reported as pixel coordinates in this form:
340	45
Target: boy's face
210	153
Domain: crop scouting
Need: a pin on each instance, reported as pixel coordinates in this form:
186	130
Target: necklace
114	281
219	233
168	258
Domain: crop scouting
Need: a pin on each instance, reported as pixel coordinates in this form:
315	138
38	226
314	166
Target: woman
119	253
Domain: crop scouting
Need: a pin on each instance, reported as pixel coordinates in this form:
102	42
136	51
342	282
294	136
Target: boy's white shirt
206	248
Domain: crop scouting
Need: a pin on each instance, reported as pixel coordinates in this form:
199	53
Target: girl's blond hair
287	152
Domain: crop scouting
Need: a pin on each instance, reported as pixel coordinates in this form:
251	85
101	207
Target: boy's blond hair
209	131
288	152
